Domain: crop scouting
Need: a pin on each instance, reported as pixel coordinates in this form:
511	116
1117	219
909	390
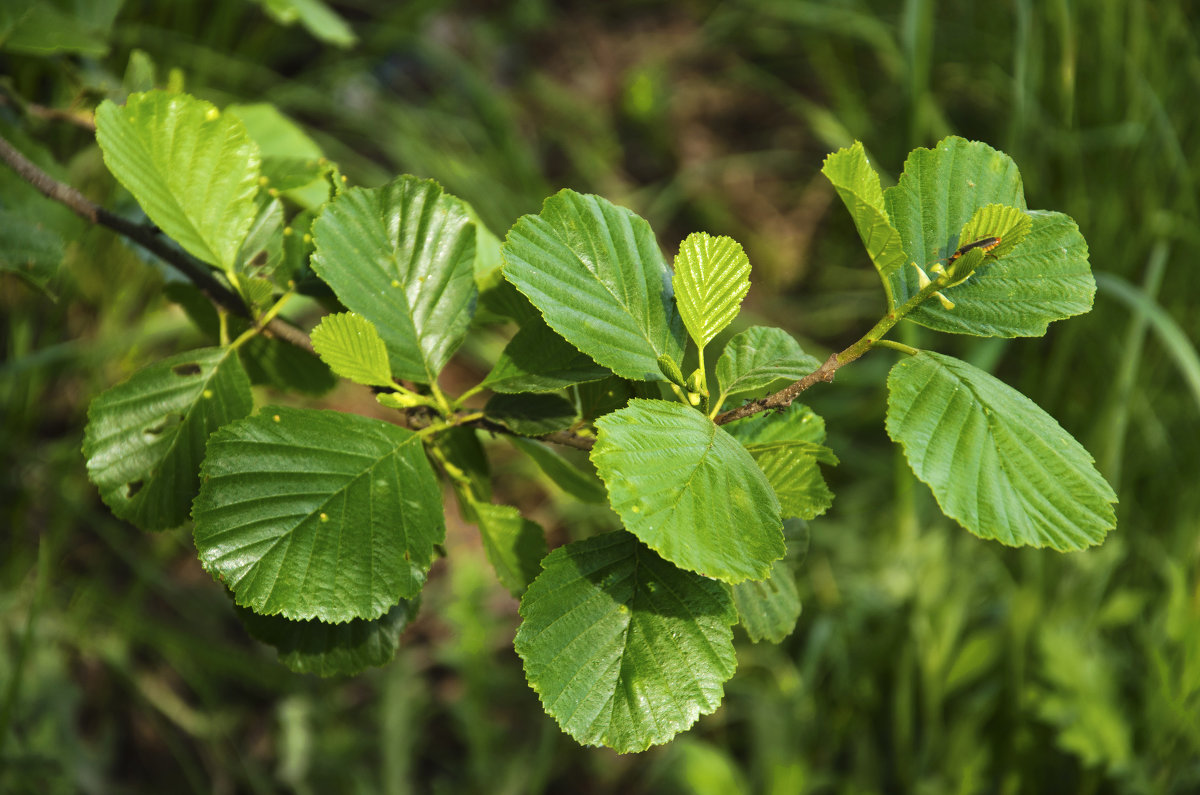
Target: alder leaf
315	647
402	257
538	360
353	349
146	437
791	469
193	169
624	649
317	514
514	545
769	610
857	183
996	463
760	360
595	272
689	490
712	276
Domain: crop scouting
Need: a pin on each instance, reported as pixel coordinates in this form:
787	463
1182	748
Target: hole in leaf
169	421
133	487
190	368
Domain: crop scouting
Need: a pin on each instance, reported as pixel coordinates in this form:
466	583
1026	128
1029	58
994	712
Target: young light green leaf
514	545
353	349
1043	278
769	610
624	649
791	469
761	359
193	169
538	360
712	276
796	423
583	486
401	256
532	414
317	514
146	437
689	490
858	186
595	272
996	463
315	647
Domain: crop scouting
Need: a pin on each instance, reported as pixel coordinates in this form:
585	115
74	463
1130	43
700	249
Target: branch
146	237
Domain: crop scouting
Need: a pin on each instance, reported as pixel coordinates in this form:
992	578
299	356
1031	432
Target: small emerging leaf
624	649
353	349
712	276
997	463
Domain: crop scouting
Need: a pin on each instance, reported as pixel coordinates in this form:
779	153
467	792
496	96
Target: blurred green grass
926	661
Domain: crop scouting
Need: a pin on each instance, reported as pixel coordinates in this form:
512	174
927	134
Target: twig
193	269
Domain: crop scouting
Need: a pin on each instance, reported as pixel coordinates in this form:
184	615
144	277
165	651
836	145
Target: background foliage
926	660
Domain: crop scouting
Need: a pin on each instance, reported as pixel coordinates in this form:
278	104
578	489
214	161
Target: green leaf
595	272
532	414
996	463
38	27
401	256
315	16
689	490
146	437
315	647
769	610
273	362
275	133
193	169
261	251
462	454
796	423
353	349
760	360
938	193
514	545
1044	277
857	183
316	514
583	486
624	649
712	276
29	250
791	469
538	360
